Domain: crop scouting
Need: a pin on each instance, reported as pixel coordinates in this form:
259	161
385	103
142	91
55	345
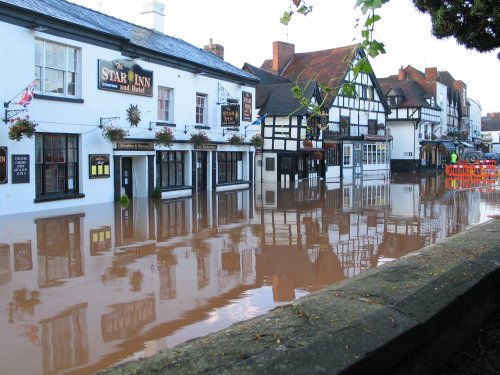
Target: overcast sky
247	29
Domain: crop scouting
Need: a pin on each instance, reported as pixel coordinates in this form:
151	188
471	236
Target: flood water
84	288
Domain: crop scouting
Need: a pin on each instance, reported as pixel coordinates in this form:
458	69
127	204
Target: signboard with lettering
21	169
135	146
99	166
246	100
124	76
230	115
3	165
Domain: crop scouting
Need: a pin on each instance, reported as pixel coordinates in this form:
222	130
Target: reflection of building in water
166	268
127	319
64	340
59	242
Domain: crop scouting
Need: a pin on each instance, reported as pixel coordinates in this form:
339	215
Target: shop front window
228	166
56	165
170	169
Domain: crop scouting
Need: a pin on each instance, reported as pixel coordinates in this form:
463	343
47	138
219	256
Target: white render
84	119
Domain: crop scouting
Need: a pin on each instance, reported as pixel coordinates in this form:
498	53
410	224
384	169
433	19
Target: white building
474	121
335	135
94	71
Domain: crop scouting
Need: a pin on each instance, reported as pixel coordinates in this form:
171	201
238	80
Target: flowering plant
199	138
318	155
257	140
21	127
235	140
114	133
307	143
164	137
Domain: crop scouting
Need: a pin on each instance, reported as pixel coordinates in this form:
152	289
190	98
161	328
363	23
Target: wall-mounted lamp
38	27
227	130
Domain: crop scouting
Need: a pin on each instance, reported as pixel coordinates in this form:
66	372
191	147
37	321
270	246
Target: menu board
99	166
20	169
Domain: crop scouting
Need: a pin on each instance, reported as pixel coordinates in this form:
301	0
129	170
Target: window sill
174	188
240	182
57	197
58	98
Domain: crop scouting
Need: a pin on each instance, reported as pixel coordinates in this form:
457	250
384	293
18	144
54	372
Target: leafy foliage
114	133
199	138
473	23
235	140
164	137
257	140
21	127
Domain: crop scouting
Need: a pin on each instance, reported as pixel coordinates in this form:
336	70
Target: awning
449	145
466	144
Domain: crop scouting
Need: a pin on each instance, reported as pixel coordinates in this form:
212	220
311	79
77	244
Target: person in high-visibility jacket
454	158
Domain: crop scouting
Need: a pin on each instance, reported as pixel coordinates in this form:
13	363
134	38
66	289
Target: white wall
84	119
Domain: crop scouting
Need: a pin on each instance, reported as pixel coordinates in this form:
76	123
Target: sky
247	29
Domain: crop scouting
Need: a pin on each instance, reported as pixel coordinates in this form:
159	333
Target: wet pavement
89	287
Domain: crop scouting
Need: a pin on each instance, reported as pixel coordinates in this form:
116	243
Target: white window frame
347	155
63	63
201	108
166	98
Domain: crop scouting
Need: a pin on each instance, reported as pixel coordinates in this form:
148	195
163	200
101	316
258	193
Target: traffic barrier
481	170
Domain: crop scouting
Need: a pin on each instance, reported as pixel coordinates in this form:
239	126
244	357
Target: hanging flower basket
114	133
164	137
317	155
200	138
133	115
235	140
257	141
307	143
21	127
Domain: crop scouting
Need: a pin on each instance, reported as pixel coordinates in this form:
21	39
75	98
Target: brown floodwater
84	288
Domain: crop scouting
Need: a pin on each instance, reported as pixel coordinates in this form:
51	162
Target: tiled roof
277	100
326	67
162	45
414	95
265	77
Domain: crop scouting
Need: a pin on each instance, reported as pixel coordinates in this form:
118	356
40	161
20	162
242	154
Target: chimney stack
431	74
402	74
216	49
153	15
282	54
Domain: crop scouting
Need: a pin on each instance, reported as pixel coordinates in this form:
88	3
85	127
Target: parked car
473	156
493	156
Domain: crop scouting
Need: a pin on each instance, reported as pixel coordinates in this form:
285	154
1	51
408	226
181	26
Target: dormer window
394	97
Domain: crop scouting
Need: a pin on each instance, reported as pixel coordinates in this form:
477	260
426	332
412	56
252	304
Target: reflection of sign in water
230	115
99	166
100	240
20	169
127	319
22	257
3	165
246	101
4	263
125	76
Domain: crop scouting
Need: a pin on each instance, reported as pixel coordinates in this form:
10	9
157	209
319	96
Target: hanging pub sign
21	169
230	115
3	165
124	76
246	100
99	166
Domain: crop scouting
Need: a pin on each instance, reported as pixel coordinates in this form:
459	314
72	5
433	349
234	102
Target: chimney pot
153	15
216	49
